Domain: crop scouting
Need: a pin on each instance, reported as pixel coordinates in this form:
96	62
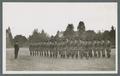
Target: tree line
68	34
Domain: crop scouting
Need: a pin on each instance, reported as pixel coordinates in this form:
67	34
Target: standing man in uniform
16	48
108	50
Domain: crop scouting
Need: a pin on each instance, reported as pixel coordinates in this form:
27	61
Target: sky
23	18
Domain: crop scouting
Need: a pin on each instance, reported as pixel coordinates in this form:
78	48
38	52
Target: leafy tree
81	27
35	32
9	38
20	39
43	36
57	36
81	30
52	38
38	37
90	35
106	35
35	36
69	32
98	36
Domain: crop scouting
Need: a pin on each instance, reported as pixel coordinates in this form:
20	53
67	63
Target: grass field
25	62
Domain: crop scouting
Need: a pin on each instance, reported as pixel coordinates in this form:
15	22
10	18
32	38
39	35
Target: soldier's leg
76	54
72	55
37	52
47	53
50	54
44	53
30	53
56	54
108	53
16	54
53	55
40	53
60	54
87	56
99	53
90	53
103	53
63	54
81	54
67	55
33	52
95	53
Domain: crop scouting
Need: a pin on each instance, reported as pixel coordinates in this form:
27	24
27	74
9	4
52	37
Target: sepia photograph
60	38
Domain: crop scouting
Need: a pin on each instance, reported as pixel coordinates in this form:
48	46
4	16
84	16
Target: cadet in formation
73	49
16	48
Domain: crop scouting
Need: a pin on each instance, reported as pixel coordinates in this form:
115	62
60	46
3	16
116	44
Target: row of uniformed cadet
73	49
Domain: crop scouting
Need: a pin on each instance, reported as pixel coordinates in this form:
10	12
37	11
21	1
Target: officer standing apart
16	48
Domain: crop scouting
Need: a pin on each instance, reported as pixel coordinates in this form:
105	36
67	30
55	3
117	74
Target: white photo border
55	72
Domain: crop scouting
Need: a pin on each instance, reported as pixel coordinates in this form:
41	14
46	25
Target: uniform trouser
99	54
103	53
95	54
81	54
16	54
108	53
90	54
68	54
30	53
